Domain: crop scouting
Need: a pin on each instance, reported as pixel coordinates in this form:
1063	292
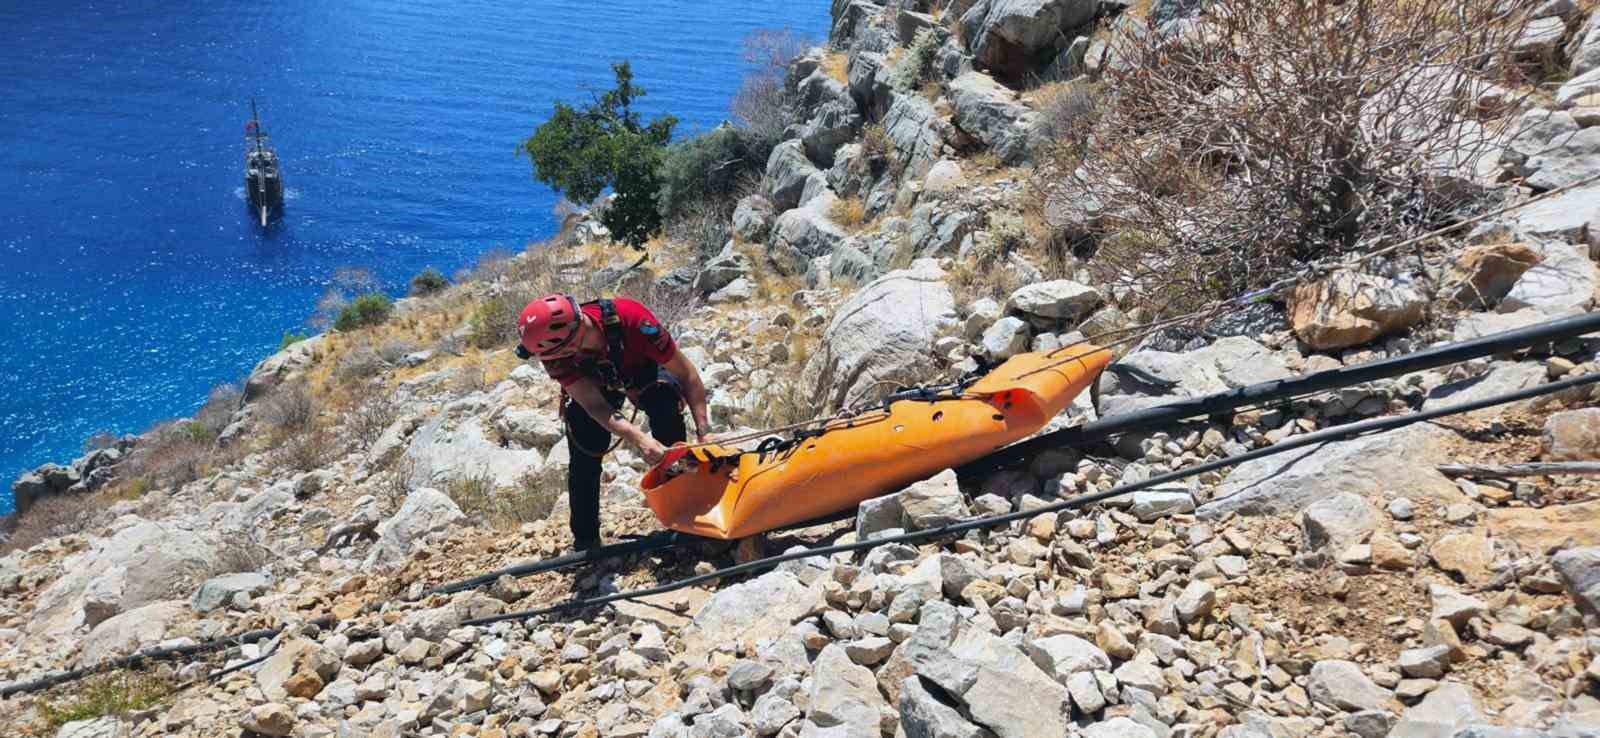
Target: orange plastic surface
873	454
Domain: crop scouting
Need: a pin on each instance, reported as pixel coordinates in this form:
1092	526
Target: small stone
1388	553
869	651
1196	601
1448	604
1509	635
1410	689
749	676
1085	691
1428	663
1369	723
1459	513
1118	587
1401	508
1113	642
271	719
1342	685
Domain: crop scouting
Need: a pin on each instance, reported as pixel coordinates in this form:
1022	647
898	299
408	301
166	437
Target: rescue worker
601	352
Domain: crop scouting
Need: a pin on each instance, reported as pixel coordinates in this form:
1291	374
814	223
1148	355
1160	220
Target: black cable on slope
1343	432
1170	413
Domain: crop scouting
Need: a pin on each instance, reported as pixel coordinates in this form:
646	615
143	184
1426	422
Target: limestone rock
1565	279
1010	35
131	631
1484	273
1060	656
788	169
272	719
219	591
752	218
100	727
885	330
1005	339
1118	727
844	696
922	715
425	511
1338	521
1059	299
1341	684
1572	435
1580	571
986	110
1468	554
933	502
456	444
1150	505
751	611
1398	460
1350	308
1453	606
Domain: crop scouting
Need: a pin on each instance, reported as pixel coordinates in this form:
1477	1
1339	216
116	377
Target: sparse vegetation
1191	147
529	500
367	309
289	408
913	66
428	282
307	451
114	693
849	212
494	321
51	516
290	339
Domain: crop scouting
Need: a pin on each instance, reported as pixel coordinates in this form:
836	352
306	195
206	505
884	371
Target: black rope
1343	432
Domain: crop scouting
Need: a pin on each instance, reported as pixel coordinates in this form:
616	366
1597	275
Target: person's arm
694	391
588	396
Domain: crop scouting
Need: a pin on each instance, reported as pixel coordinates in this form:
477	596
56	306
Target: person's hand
652	450
701	436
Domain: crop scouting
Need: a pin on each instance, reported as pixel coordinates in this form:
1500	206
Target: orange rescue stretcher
727	493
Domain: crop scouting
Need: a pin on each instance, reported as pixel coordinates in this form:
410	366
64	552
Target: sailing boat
262	180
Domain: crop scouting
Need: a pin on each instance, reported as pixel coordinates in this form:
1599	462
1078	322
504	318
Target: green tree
583	151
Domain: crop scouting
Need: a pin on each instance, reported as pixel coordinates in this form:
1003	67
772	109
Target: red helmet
548	324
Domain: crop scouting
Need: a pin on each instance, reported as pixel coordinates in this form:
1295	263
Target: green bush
427	282
371	308
290	339
709	165
913	66
582	152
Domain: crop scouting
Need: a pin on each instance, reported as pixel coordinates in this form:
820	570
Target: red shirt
645	343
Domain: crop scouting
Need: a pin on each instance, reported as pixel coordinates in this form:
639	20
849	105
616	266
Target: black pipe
1342	432
652	542
60	677
1223	402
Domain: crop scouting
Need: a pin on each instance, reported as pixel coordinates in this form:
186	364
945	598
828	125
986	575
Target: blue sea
132	278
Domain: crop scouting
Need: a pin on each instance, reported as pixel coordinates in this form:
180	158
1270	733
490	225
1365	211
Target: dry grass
114	693
307	449
51	517
837	65
850	212
529	500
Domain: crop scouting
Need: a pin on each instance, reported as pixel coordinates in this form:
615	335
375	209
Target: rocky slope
1350	590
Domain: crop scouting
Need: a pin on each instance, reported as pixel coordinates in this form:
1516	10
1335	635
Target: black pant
585	438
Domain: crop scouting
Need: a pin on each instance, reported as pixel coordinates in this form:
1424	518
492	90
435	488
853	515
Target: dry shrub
705	224
849	212
494	322
671	306
396	483
288	408
171	454
492	265
468	380
358	363
51	516
214	415
763	107
875	142
307	450
530	499
372	410
1275	133
391	352
534	495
